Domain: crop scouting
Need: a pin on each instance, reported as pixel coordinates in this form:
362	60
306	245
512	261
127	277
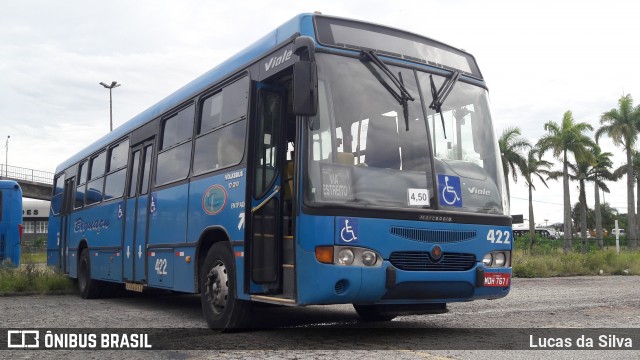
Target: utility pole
6	157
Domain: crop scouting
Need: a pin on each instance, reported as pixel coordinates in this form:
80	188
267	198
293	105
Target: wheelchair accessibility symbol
349	230
449	190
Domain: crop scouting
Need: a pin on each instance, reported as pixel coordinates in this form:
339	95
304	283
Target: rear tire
221	309
89	288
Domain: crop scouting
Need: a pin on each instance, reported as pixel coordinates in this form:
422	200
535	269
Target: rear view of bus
10	222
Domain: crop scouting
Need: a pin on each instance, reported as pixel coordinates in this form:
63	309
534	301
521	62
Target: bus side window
222	128
95	186
117	170
56	200
174	158
82	180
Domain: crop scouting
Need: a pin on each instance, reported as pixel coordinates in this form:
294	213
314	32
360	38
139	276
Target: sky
539	58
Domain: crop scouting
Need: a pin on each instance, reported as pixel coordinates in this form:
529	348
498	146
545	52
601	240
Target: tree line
583	161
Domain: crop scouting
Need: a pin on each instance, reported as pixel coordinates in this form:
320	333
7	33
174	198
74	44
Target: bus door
264	229
139	205
65	222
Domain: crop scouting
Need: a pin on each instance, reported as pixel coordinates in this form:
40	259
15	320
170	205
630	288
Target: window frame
111	171
224	123
162	149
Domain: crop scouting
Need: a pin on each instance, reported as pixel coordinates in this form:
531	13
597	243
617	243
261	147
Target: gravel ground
588	303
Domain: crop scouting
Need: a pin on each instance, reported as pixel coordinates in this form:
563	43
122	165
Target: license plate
497	279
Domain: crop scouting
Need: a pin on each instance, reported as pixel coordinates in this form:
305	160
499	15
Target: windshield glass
362	155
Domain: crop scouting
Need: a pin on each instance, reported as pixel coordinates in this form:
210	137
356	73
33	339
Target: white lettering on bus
276	61
234	175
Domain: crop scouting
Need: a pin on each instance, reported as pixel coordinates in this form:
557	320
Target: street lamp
6	157
114	84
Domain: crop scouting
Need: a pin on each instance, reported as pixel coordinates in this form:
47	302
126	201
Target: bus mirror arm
305	48
305	80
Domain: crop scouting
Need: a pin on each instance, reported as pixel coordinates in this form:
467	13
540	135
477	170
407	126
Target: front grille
433	236
422	261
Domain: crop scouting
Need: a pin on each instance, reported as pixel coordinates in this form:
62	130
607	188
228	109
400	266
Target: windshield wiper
439	96
402	96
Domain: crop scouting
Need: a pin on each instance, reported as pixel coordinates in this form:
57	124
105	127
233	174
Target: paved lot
590	303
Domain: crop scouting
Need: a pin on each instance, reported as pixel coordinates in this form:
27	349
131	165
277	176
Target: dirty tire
89	288
222	310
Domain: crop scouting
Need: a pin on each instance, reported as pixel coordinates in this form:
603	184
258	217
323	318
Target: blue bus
10	222
333	161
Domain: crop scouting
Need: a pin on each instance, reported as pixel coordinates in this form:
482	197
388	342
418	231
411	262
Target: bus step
288	281
133	287
288	250
273	300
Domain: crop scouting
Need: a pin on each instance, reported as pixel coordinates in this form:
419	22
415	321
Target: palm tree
511	145
597	174
622	171
580	173
564	138
621	125
535	166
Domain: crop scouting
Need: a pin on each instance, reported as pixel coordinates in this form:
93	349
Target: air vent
341	286
433	236
421	261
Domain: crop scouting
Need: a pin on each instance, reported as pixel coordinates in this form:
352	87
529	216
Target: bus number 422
499	237
161	266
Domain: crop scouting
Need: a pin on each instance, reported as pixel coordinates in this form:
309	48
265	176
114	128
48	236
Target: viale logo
278	60
475	190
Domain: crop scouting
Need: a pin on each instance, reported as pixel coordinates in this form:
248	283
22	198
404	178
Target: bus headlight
496	259
345	257
369	258
499	259
487	260
356	256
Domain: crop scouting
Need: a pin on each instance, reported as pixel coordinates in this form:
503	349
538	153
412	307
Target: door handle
276	189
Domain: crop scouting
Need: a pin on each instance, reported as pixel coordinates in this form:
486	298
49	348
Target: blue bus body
286	226
10	221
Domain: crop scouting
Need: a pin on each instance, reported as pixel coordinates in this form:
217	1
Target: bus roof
301	24
8	184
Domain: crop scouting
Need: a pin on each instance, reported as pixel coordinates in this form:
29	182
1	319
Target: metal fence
18	173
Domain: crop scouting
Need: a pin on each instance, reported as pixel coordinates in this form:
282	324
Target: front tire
221	309
89	288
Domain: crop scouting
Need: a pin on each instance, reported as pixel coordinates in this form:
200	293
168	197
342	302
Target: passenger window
119	156
223	128
174	160
83	173
178	128
221	148
82	179
211	116
133	178
97	165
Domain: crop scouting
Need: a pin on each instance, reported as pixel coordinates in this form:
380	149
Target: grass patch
38	257
575	264
33	278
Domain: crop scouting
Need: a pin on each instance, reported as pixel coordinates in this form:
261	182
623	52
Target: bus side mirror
305	88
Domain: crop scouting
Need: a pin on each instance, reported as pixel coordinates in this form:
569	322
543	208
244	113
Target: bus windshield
368	150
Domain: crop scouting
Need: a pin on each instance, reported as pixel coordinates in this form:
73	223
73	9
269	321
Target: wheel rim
217	288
